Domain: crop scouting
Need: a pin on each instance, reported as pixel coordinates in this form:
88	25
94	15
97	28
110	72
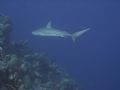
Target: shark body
53	32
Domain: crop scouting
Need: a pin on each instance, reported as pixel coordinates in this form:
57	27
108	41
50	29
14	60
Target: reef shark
48	30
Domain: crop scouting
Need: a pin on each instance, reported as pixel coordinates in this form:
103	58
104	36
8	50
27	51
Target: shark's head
42	31
35	33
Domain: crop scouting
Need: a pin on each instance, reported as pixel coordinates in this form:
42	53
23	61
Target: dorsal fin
49	25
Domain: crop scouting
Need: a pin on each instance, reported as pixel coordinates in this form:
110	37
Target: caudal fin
79	33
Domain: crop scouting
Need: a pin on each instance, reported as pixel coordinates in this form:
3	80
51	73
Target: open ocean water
94	60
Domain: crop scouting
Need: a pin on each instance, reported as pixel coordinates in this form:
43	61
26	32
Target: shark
50	31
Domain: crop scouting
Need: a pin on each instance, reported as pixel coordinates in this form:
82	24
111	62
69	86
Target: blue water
94	61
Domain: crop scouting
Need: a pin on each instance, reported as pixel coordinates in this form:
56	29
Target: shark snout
34	33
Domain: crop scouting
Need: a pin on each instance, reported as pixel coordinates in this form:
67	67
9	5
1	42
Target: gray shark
53	32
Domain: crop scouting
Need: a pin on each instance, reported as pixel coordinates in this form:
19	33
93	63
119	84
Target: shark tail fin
79	33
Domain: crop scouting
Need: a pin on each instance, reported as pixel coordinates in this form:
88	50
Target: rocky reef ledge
22	69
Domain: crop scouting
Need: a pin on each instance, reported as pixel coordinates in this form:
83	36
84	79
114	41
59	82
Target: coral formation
22	69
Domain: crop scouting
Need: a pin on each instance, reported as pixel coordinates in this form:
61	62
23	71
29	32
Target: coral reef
22	69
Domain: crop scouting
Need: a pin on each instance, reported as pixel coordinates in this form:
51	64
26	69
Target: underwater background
94	61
